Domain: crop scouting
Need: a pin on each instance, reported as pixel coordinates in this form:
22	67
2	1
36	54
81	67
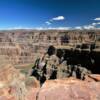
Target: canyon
50	65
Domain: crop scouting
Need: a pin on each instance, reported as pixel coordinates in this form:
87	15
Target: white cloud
15	28
19	27
63	28
37	28
89	27
78	27
58	18
48	23
53	28
94	24
97	19
98	23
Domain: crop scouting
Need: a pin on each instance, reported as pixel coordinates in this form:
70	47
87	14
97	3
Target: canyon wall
23	47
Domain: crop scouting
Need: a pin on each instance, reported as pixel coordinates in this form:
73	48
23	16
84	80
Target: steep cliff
23	47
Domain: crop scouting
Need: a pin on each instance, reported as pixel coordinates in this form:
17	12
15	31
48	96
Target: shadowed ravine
63	63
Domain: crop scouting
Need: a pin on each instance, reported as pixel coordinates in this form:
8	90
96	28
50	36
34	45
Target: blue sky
49	14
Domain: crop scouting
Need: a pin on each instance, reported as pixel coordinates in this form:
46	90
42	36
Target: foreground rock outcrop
54	65
69	89
15	86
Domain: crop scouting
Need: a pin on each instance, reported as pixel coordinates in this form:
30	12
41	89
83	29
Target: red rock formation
69	89
20	47
93	77
14	85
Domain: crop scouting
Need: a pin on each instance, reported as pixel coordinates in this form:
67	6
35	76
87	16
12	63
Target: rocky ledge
15	86
69	89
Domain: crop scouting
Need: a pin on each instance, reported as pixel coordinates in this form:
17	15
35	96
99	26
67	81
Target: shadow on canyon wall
63	63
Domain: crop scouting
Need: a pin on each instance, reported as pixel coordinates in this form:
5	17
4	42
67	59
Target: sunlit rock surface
15	86
69	89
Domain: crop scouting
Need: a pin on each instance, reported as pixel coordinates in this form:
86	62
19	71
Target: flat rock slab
32	94
69	89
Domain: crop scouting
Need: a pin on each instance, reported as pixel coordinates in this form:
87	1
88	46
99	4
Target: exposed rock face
55	66
7	74
69	89
23	47
11	82
14	85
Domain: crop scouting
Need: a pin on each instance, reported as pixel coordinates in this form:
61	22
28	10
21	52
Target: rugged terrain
50	65
15	86
23	47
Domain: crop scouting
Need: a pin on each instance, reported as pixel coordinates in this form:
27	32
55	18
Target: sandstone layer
23	47
69	89
15	86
